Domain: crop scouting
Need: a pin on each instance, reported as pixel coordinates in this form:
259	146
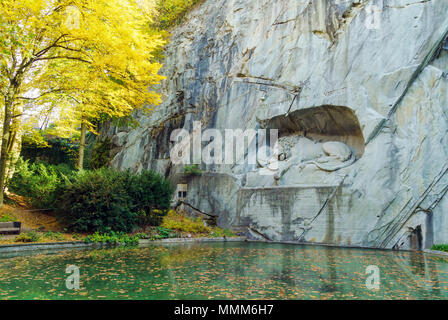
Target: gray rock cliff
363	84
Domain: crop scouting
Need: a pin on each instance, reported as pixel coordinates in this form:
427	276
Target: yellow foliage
180	222
92	57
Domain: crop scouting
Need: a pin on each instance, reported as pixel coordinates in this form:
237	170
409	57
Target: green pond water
224	271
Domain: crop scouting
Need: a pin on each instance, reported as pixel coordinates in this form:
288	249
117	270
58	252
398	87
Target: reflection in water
329	284
225	271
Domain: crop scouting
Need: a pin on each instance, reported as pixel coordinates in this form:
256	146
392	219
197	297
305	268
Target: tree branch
70	49
42	95
44	51
64	57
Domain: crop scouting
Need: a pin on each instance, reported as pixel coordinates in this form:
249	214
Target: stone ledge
297	186
195	240
317	244
43	246
435	252
80	244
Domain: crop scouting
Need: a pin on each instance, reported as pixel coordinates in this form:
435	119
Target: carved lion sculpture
327	156
337	156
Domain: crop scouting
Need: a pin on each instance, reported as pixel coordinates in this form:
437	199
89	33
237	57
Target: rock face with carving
358	95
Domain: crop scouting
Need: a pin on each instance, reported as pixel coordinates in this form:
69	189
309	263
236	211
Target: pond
224	271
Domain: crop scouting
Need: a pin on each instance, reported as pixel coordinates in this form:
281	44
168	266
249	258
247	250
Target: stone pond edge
79	244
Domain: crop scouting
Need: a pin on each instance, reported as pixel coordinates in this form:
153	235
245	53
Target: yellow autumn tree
92	56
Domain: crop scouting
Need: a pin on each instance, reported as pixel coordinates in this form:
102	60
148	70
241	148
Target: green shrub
113	238
193	170
440	247
107	200
163	233
39	182
54	236
55	150
76	236
142	236
101	200
30	236
220	233
151	196
96	201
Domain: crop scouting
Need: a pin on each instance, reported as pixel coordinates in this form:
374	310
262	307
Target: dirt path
33	220
38	220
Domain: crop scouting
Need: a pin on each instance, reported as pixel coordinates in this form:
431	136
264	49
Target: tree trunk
4	148
82	145
14	144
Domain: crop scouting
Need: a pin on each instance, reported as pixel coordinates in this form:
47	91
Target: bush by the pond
180	222
30	236
440	247
220	233
101	200
151	196
107	200
113	238
55	236
34	236
39	182
163	233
